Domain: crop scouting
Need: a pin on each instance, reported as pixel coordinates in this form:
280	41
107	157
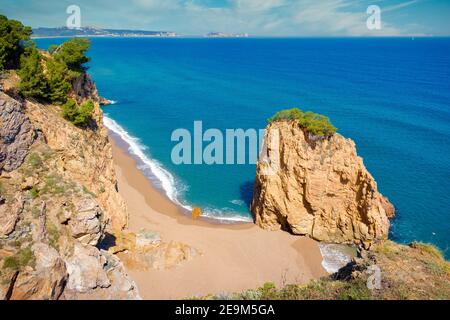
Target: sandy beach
233	257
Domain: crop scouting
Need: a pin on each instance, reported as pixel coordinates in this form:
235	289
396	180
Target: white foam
334	257
221	216
163	178
238	202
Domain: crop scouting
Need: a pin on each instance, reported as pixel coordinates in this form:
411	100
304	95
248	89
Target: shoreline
232	257
161	178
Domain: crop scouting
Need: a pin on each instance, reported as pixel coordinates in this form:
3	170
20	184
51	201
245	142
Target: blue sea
390	95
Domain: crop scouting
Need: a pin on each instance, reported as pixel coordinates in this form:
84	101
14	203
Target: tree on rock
73	54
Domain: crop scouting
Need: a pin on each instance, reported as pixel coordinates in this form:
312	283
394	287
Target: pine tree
58	82
33	83
73	54
14	37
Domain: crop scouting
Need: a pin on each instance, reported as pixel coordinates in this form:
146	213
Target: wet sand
234	257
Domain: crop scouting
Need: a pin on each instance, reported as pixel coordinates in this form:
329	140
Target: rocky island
321	188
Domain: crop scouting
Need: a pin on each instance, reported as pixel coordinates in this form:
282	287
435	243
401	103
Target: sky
256	17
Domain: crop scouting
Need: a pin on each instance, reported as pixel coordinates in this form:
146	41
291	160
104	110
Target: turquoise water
392	96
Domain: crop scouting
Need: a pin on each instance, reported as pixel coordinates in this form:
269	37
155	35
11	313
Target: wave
335	256
165	178
162	178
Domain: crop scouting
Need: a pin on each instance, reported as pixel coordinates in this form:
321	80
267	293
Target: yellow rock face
85	156
319	188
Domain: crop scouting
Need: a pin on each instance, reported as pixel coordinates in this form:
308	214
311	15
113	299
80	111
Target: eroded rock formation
319	188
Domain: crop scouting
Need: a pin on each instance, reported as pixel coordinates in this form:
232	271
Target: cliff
320	188
58	200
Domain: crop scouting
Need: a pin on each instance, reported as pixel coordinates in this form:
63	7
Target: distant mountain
97	32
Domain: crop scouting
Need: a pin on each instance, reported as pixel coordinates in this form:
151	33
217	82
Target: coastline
161	178
233	257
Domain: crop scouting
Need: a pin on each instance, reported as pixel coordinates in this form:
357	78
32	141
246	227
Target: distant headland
97	32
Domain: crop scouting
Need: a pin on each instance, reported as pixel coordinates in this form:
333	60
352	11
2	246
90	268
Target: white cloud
257	5
335	17
257	17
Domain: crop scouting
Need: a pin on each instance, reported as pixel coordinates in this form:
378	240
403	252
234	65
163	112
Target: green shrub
287	115
354	290
53	234
84	114
316	124
35	160
21	259
80	116
11	263
34	192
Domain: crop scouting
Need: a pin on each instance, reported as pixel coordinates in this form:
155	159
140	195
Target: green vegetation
315	124
42	77
34	160
58	81
54	184
33	83
323	289
62	68
317	290
34	192
13	38
34	163
23	258
80	116
46	77
437	265
72	53
397	281
428	249
53	234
